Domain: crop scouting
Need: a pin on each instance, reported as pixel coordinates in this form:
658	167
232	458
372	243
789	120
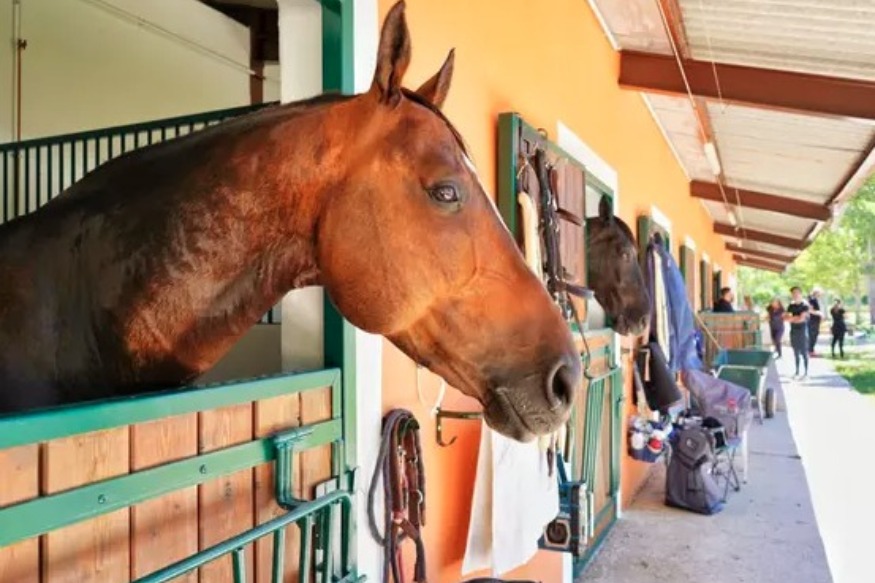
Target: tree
838	260
860	217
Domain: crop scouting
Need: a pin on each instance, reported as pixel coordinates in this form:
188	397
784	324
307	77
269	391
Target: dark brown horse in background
615	272
143	274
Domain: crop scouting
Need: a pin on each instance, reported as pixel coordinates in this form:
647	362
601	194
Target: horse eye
445	193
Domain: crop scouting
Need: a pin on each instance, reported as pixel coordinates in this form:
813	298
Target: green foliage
838	260
834	261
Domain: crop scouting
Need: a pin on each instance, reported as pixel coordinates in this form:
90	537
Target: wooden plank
762	201
226	504
19	467
97	550
272	415
164	530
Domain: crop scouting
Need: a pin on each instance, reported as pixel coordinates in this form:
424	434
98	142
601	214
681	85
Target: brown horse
614	271
144	273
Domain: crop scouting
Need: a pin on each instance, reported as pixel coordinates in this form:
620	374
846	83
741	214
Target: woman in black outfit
839	328
797	315
776	324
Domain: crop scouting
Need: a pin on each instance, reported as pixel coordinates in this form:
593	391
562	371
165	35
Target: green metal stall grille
33	172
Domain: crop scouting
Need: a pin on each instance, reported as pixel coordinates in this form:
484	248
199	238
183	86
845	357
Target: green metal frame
646	227
511	128
703	284
338	54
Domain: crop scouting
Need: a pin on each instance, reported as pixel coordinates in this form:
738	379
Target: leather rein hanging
400	466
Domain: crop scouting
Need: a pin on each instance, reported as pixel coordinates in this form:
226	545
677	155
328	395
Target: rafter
762	237
749	85
761	201
758	264
755	253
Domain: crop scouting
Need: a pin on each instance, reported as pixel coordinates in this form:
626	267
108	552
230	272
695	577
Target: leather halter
401	469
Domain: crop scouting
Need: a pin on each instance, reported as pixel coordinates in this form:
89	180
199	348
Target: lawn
859	368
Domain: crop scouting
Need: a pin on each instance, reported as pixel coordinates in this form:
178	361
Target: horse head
615	272
412	248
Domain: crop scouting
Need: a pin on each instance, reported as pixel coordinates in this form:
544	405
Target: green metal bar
61	181
57	422
50	174
26	183
38	183
73	177
279	555
285	444
48	513
306	552
508	154
238	558
5	186
198	560
617	399
338	52
325	527
131	128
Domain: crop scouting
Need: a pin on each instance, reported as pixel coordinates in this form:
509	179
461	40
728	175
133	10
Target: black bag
660	388
689	483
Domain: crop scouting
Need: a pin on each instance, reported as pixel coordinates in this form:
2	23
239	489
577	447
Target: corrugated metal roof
797	155
811	36
794	155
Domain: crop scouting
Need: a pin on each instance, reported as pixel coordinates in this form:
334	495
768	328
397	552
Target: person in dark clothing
797	315
724	303
776	324
814	318
839	328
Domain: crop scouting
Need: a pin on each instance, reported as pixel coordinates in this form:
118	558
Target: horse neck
236	251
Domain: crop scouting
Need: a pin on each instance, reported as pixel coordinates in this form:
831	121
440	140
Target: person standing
724	302
797	314
776	324
815	317
839	328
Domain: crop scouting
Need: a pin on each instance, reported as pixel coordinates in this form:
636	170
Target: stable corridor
802	517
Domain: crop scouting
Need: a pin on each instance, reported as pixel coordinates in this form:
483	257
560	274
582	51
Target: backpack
689	483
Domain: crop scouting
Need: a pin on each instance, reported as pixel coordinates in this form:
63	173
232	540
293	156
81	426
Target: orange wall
548	60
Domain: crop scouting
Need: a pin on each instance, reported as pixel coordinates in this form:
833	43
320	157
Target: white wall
98	63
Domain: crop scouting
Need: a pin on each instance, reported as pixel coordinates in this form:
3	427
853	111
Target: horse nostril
562	384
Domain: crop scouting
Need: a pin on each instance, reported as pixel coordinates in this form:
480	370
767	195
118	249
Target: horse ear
393	56
606	209
436	88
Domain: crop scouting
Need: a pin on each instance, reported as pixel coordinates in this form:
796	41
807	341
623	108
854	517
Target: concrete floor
767	532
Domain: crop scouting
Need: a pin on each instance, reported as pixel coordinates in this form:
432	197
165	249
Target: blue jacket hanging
681	323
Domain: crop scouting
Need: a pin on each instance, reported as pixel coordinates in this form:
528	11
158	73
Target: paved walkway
834	427
768	532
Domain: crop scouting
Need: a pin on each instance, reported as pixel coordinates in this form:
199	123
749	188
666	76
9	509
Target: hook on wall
445	414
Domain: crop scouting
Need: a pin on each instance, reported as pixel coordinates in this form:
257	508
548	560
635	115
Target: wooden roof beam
754	86
762	237
758	264
756	253
761	201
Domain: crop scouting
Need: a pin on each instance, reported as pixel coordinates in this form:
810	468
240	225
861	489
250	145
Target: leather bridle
549	215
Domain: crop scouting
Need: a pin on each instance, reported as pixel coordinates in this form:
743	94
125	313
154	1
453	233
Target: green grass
859	368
